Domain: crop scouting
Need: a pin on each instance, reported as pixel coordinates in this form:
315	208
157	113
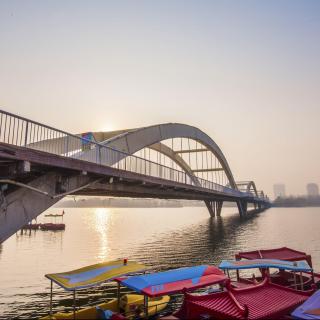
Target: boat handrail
105	300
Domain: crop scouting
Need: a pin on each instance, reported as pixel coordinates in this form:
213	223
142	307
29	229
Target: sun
108	127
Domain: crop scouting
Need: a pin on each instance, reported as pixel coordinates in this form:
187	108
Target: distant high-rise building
279	190
312	190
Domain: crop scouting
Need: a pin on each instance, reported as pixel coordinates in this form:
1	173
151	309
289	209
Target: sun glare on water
102	221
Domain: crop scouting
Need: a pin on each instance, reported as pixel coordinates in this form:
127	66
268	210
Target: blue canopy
168	282
265	263
310	309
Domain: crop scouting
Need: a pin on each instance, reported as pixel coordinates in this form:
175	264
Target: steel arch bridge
176	142
40	165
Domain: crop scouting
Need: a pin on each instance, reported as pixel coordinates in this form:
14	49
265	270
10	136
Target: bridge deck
125	183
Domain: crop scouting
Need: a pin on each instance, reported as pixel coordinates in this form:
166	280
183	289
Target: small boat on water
55	215
283	277
52	226
265	300
31	226
175	280
129	305
163	284
295	268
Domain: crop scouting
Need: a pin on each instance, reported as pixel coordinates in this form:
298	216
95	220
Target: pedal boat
122	307
181	280
265	300
283	277
295	268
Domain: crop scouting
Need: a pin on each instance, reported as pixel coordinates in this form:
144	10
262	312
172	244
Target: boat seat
104	314
123	303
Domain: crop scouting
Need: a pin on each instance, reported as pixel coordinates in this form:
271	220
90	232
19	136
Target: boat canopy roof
283	253
310	309
177	280
262	301
265	263
95	274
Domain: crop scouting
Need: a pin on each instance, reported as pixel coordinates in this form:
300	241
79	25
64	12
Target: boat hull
128	306
52	226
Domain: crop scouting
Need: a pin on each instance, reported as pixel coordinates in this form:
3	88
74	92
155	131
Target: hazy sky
245	72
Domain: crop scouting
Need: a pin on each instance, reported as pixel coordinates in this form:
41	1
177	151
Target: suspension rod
191	150
208	170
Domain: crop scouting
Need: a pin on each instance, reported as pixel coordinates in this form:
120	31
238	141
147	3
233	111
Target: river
161	237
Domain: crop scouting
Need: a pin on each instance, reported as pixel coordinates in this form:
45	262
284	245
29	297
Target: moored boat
31	226
295	268
52	226
127	306
265	300
283	277
169	282
55	215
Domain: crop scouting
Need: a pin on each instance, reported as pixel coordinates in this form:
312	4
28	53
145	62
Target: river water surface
161	237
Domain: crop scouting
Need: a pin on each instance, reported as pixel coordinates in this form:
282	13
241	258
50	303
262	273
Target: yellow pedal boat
131	306
123	307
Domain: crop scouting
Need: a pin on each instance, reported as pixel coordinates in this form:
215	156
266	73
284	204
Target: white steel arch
131	141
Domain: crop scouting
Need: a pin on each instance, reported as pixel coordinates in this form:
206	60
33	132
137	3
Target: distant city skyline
279	190
312	190
245	72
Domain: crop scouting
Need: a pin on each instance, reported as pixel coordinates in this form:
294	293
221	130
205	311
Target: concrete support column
242	206
219	205
214	207
211	207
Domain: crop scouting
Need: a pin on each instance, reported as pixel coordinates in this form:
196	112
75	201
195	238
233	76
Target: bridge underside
32	181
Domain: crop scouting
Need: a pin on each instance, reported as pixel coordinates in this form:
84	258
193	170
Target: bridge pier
214	207
25	203
242	207
219	205
211	208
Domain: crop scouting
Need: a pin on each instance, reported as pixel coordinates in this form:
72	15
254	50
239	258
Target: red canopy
279	253
263	301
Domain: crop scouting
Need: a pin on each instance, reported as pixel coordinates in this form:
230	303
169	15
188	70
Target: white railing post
26	134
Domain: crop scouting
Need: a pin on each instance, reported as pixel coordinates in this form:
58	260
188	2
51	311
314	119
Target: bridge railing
23	132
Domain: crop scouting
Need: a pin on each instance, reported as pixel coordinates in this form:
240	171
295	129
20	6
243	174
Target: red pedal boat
31	226
263	301
283	277
52	226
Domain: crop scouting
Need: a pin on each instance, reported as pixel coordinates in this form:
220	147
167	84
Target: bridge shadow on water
207	242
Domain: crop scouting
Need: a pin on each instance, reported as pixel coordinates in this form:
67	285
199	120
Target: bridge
39	165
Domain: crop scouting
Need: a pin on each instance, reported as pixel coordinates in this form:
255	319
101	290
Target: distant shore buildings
311	199
279	190
312	190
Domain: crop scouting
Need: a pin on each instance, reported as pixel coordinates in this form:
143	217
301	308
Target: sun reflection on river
102	224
